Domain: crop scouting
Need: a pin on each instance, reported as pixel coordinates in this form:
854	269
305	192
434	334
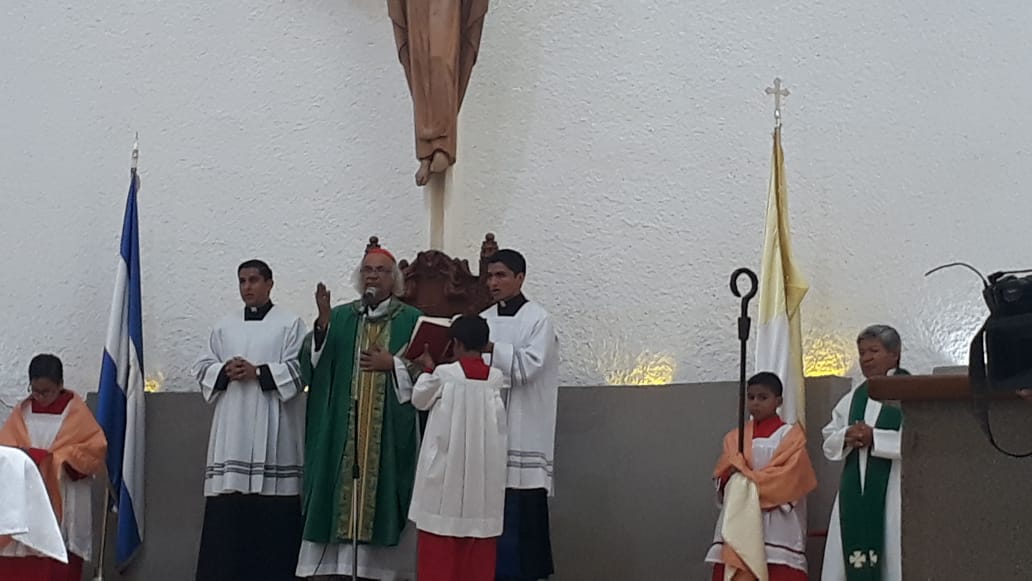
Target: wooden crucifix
438	42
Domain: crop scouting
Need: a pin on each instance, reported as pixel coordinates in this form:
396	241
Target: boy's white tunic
526	350
887	444
256	444
784	528
460	477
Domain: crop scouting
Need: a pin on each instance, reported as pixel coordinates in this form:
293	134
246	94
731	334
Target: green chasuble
387	431
862	508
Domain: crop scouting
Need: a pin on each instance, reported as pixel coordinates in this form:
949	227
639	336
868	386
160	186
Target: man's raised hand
322	300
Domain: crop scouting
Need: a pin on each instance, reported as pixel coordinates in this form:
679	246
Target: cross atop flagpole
778	91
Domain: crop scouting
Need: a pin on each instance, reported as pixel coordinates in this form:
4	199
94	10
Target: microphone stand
743	338
356	470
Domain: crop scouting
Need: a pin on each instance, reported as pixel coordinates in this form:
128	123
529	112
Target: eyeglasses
41	392
377	270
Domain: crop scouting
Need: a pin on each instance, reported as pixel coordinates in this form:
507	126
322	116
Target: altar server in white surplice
525	347
459	496
252	478
777	467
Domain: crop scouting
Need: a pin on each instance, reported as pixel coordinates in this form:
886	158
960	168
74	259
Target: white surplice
526	350
397	563
784	528
460	477
887	444
256	444
26	514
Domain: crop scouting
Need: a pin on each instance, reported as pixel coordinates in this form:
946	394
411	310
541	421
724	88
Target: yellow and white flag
779	345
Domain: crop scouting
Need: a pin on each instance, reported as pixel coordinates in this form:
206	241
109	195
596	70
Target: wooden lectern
904	388
966	506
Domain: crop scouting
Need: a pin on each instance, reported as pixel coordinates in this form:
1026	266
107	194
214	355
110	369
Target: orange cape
80	443
787	478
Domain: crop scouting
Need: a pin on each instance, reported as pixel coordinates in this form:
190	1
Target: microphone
369	297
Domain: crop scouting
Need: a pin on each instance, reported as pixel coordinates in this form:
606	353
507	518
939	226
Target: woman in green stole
864	533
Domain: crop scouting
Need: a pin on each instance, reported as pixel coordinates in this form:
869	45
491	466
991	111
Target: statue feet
436	163
439	162
423	174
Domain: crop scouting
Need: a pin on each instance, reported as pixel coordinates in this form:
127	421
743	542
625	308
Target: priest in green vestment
356	349
863	542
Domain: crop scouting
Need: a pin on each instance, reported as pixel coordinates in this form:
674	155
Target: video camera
1008	332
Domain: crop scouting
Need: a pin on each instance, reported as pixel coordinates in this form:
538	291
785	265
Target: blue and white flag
121	408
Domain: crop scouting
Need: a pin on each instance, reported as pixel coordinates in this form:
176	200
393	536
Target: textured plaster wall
623	146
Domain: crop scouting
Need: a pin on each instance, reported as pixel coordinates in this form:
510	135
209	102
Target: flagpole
783	288
108	504
99	572
743	338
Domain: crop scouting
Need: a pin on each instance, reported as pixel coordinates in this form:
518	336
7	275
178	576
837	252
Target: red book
432	333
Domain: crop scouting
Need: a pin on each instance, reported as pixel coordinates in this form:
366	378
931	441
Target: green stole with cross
862	508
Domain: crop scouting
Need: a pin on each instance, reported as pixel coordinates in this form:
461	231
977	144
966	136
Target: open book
431	332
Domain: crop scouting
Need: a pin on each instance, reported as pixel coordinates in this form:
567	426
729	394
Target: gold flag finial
135	157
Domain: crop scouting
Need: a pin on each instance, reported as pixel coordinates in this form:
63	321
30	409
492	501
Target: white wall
622	145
